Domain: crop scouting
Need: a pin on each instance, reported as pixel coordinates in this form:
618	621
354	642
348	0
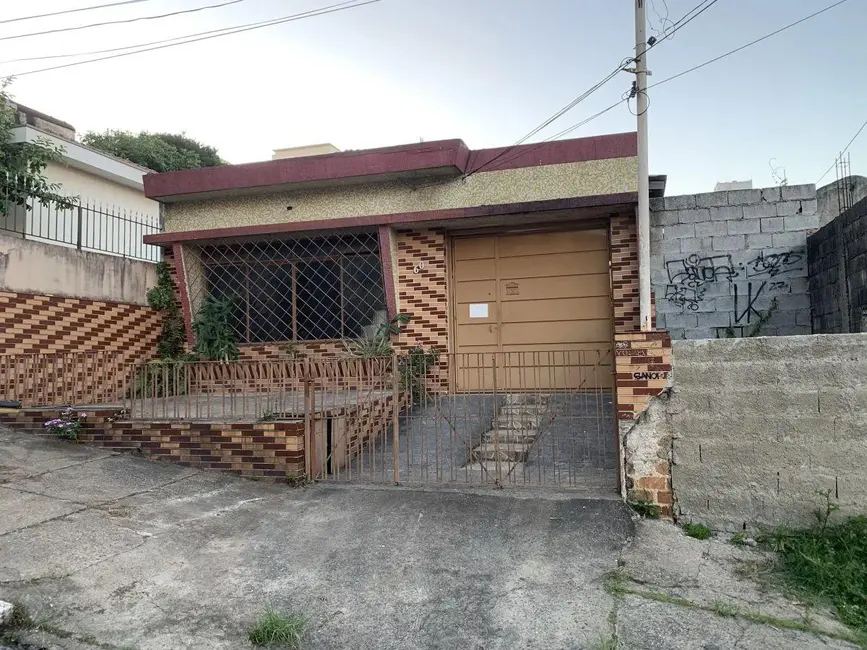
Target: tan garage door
542	301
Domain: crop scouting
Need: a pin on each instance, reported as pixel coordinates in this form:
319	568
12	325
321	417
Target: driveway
114	551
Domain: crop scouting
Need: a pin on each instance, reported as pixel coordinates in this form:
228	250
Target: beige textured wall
48	269
75	182
609	176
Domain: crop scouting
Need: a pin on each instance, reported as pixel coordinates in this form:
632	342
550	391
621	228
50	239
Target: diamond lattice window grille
302	289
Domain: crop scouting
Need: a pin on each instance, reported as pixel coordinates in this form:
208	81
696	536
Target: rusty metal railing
527	418
62	378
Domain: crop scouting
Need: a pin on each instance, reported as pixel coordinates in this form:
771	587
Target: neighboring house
494	250
114	213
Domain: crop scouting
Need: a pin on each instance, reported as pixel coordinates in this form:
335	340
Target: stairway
508	444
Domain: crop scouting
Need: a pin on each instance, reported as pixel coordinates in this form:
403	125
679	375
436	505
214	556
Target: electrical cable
118	22
743	47
307	14
691	15
71	11
167	40
626	96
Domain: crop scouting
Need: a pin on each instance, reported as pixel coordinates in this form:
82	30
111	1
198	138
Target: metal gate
524	418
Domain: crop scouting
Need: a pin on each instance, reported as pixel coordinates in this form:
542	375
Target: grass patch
20	618
273	630
645	507
607	643
698	531
722	608
830	563
739	539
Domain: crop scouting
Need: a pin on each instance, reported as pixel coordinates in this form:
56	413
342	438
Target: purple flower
82	415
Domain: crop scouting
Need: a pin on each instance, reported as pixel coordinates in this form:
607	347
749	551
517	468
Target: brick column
643	366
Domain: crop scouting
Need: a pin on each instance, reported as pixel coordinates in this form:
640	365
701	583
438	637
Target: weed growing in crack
645	507
739	539
722	608
274	630
607	643
698	531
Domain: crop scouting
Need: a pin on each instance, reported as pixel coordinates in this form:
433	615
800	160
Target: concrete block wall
759	427
721	260
837	264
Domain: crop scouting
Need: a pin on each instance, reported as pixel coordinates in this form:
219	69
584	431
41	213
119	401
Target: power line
71	11
279	21
117	22
685	72
845	149
685	20
263	23
750	44
691	15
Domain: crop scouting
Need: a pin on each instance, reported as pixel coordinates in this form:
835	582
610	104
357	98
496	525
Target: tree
162	152
22	165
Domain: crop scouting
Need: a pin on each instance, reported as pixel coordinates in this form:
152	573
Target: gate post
395	415
496	426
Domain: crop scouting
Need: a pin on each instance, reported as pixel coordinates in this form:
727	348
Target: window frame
245	259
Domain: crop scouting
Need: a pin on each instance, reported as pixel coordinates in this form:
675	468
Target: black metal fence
80	223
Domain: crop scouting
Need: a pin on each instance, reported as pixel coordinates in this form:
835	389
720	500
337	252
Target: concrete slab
649	625
372	568
62	546
189	562
22	509
26	455
103	479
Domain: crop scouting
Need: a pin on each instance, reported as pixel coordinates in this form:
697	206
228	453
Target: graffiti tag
637	352
649	376
696	271
773	264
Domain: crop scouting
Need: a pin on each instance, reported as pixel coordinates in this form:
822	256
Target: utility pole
641	48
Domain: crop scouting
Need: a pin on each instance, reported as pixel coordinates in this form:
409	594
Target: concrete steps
504	449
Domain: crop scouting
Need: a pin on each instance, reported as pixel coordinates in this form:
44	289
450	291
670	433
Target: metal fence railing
80	223
502	419
63	378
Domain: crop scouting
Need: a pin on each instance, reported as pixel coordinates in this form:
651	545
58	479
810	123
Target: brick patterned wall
283	351
643	363
50	324
643	366
624	273
274	449
423	294
422	291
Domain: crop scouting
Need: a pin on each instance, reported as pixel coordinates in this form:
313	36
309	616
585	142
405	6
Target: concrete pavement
113	551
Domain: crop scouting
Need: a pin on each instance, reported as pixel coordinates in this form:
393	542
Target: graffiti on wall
688	278
763	276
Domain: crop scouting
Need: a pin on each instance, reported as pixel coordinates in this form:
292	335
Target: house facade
528	249
114	212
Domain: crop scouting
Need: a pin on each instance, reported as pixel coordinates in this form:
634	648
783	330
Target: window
296	290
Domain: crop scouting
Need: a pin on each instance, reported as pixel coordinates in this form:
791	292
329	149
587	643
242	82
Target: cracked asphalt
116	552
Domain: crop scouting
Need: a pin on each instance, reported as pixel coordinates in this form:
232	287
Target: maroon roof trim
399	218
444	156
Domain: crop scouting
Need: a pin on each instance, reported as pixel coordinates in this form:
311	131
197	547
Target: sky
485	71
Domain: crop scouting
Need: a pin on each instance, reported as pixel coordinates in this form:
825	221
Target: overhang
425	160
87	159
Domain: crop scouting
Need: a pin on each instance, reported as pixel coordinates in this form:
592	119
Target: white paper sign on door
479	310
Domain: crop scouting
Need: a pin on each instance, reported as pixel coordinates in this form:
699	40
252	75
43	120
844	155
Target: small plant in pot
68	425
